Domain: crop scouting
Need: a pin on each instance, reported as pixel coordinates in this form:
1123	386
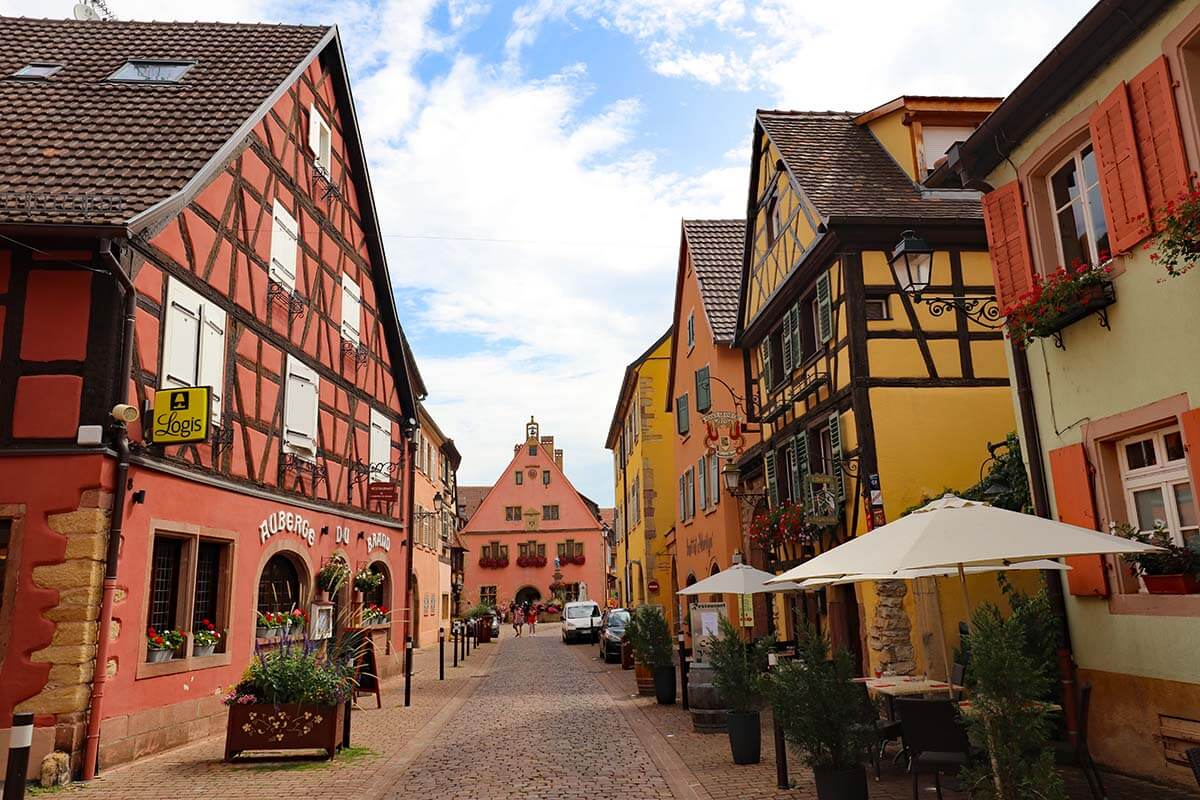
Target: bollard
683	670
454	633
466	639
346	722
408	657
19	740
781	766
441	654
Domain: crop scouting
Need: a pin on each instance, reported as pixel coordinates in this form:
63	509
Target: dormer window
36	71
320	140
151	71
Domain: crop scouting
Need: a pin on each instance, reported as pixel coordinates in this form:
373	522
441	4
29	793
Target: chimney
558	458
548	443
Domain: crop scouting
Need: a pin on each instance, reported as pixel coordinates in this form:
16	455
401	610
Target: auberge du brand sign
181	415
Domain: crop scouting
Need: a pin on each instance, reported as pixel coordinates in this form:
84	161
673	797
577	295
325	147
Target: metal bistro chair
935	738
1083	756
958	674
884	730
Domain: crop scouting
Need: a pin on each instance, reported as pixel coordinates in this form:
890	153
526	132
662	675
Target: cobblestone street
524	718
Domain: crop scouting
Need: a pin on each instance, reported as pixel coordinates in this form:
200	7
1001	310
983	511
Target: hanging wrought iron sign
823	496
723	433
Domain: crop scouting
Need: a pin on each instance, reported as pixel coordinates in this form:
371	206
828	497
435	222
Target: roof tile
716	247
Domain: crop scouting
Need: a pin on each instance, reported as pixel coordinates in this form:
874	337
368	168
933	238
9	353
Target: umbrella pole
962	581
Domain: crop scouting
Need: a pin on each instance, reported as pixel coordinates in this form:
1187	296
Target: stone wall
890	634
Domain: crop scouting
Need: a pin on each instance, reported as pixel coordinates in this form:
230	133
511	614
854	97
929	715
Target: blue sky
532	161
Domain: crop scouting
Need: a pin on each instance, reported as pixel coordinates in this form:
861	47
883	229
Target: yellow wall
896	138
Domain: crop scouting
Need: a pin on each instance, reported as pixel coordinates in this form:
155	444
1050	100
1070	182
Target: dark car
612	633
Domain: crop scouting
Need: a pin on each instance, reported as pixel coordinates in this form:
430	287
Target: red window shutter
1008	243
1073	497
1189	421
1158	134
1121	182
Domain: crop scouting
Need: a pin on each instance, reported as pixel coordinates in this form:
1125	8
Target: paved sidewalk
393	736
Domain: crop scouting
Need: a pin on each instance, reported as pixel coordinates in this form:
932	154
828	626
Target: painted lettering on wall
341	535
700	544
287	522
378	540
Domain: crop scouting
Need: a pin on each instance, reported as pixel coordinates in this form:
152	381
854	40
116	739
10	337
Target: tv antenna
92	10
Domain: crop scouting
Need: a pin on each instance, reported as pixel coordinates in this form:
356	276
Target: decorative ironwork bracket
301	467
359	353
361	471
289	299
322	179
982	309
1101	315
222	438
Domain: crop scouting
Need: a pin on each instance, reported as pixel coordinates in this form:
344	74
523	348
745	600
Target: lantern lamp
912	262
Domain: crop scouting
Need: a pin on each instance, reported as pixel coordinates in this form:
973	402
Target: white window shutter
212	355
380	445
300	409
285	235
351	309
181	341
314	129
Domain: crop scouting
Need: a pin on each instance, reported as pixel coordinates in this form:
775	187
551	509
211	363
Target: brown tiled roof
845	171
716	247
77	133
608	516
470	498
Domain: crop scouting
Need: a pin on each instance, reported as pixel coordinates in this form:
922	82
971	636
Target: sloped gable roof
844	170
130	146
470	498
715	246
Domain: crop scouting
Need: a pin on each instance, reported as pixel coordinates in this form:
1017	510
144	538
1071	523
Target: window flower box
1058	301
1171	584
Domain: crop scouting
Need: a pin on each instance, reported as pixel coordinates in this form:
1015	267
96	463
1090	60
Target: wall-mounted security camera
123	412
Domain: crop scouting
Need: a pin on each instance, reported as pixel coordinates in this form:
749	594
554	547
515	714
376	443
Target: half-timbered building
869	400
185	205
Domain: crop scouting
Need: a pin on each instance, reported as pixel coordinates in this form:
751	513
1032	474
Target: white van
581	622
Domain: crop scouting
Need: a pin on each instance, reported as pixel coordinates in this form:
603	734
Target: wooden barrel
704	703
645	679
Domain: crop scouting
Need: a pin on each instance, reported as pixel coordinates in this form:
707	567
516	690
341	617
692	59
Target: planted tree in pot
823	716
651	640
739	669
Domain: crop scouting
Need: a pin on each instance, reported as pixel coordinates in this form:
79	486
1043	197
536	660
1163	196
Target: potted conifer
651	640
739	669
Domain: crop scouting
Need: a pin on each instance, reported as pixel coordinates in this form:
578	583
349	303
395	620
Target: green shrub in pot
739	673
650	638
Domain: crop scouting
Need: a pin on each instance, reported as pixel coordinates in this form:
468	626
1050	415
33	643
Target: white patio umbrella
738	579
932	572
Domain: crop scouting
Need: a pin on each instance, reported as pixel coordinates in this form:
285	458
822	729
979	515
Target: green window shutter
682	423
765	349
703	390
824	308
835	440
789	345
800	488
794	317
682	504
772	482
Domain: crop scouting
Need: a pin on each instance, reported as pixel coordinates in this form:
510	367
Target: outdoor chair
884	730
935	739
1083	756
958	674
1193	756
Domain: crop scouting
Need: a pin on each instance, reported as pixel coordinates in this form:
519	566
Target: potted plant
374	614
739	669
162	645
270	625
366	580
1056	301
780	525
651	640
1173	570
291	698
332	575
823	716
205	639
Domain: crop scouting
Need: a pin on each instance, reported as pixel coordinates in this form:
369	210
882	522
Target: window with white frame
351	309
320	140
380	446
194	343
285	246
691	330
1157	485
1079	225
300	409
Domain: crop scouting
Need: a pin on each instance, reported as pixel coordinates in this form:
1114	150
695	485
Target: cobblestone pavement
539	726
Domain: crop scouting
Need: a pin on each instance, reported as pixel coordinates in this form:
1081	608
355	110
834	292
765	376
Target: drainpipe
410	617
120	438
1041	506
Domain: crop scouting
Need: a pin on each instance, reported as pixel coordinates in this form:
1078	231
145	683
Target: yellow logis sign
181	415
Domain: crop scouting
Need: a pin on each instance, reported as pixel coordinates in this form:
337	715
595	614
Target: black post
466	639
683	671
781	766
441	654
408	657
346	722
19	740
454	633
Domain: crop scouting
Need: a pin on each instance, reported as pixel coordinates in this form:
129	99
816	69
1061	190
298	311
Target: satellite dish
85	12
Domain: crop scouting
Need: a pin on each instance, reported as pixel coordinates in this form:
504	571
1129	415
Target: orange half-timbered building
186	205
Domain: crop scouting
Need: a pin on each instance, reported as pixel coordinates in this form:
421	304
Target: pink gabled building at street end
531	520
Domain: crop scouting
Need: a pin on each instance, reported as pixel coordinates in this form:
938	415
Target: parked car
612	633
581	621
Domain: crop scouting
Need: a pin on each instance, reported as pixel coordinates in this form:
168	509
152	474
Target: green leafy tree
820	709
739	668
1007	719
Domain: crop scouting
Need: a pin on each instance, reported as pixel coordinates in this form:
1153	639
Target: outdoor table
966	708
902	686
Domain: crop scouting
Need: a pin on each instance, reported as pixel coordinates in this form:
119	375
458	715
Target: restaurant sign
287	522
723	433
378	540
181	415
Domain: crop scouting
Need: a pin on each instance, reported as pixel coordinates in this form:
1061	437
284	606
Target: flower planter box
1092	299
263	726
1171	584
202	650
158	656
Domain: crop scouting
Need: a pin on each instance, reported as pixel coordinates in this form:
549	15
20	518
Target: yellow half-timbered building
869	398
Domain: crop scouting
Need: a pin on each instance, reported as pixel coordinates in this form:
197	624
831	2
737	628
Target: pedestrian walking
518	620
531	618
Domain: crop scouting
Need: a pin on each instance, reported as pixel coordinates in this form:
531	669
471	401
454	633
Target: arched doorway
528	594
714	598
279	585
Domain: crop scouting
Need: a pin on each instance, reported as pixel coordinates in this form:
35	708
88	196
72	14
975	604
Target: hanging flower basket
1177	244
1058	300
781	525
367	581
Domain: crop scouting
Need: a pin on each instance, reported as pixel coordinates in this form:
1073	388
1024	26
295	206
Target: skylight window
146	71
37	71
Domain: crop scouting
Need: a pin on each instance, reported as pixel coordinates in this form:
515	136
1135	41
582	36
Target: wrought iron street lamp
912	264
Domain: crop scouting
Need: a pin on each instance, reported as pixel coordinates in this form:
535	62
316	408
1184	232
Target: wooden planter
292	726
1171	584
645	679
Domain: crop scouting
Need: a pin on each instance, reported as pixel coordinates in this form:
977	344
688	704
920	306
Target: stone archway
528	594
